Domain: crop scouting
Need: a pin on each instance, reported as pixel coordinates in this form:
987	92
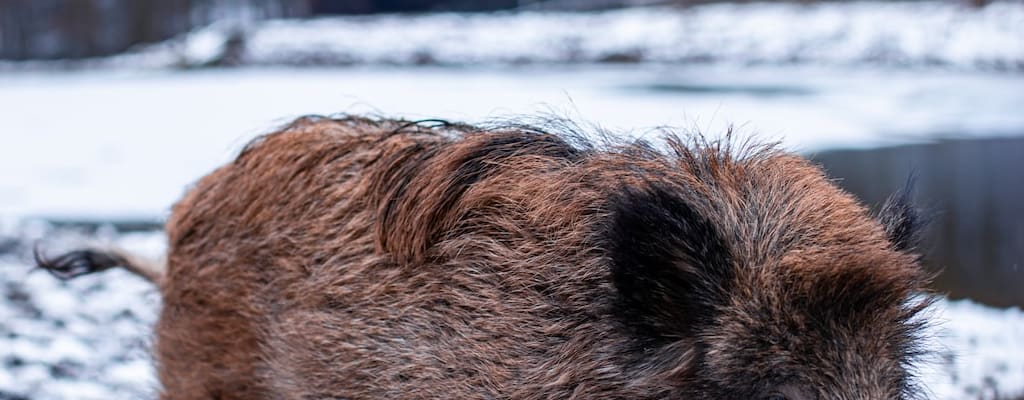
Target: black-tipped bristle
903	221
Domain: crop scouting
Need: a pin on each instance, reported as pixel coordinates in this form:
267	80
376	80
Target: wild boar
357	258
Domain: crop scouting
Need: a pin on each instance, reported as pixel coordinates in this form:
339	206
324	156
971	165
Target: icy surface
128	143
89	338
916	34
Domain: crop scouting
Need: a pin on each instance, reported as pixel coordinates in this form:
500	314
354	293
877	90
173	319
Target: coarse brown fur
362	258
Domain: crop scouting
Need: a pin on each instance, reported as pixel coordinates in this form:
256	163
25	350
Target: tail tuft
87	261
77	263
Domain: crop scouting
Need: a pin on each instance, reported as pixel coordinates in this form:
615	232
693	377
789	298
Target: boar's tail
86	261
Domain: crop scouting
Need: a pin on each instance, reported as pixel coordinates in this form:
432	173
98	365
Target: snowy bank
911	34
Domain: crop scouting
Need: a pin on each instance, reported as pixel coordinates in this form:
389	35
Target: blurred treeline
50	29
65	29
57	29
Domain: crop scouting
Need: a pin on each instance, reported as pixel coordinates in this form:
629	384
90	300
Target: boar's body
355	258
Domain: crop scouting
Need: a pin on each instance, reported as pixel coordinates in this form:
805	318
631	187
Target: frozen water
126	144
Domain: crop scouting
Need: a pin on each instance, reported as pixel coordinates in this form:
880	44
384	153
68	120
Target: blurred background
109	109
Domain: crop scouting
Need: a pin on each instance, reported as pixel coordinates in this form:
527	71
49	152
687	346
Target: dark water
973	190
694	89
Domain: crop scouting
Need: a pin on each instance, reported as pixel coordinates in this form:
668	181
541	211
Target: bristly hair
903	221
543	259
669	264
422	190
905	224
486	145
583	137
918	327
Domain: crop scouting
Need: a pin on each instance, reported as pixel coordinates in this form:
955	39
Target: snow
203	46
987	346
126	144
84	339
94	342
909	34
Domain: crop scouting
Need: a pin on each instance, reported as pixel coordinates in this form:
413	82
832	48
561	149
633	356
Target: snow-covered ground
84	339
89	338
916	34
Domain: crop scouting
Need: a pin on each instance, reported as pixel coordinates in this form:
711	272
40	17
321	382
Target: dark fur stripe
423	203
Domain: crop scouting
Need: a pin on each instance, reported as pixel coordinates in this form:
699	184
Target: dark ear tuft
902	220
670	265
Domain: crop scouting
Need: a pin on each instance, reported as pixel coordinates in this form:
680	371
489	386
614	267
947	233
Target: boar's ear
670	265
902	220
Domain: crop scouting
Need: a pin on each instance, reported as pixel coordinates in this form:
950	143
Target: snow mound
918	34
84	339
